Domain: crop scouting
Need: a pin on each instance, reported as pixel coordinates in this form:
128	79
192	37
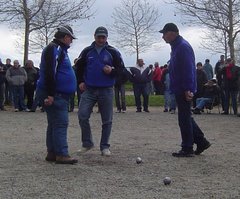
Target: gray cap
68	30
101	31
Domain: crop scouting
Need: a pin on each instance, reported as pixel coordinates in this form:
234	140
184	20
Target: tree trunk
26	42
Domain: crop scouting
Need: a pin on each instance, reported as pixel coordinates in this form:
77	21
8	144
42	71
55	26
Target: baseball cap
169	27
66	29
101	31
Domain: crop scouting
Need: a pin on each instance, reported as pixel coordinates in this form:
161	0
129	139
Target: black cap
67	30
169	27
101	31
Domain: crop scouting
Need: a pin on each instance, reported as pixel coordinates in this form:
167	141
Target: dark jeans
141	89
190	131
2	95
8	93
29	94
120	97
233	95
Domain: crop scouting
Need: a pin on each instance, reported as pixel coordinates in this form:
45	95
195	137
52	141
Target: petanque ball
167	180
138	160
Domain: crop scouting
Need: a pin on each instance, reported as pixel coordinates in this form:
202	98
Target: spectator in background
201	80
169	97
119	89
72	97
210	91
2	85
140	76
150	84
30	84
208	69
16	77
230	74
157	73
8	88
218	68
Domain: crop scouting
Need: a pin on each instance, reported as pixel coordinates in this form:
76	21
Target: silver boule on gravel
167	180
138	160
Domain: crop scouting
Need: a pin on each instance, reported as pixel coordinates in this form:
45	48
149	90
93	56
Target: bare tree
134	22
27	15
215	42
221	16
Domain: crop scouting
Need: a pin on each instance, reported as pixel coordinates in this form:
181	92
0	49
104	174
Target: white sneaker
106	152
83	150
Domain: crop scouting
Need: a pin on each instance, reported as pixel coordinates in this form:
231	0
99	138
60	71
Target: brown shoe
51	157
65	160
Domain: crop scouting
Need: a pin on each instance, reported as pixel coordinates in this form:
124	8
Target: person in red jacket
157	74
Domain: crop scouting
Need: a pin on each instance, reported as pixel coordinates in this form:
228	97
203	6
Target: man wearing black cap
182	73
56	84
97	67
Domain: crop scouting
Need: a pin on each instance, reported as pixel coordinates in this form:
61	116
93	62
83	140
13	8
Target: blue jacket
89	66
56	73
182	70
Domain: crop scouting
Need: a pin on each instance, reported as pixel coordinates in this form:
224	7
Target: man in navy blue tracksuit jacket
140	76
182	74
96	69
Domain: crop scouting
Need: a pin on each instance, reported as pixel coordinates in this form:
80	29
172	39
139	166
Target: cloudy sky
104	8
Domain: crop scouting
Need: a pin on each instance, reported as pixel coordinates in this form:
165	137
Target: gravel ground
152	136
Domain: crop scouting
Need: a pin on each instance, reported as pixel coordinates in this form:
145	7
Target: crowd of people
99	73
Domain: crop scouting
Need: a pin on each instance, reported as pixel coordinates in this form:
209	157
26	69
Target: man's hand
107	69
82	86
49	101
188	95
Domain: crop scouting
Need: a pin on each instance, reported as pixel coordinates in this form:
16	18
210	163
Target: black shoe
165	110
182	154
138	111
224	113
197	111
146	110
202	148
118	111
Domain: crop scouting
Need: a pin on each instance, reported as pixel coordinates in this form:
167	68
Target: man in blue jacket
56	84
97	67
182	74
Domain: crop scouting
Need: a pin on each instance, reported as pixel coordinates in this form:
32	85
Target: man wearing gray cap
182	73
56	84
97	67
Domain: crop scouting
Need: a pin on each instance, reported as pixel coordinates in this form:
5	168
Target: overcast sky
159	51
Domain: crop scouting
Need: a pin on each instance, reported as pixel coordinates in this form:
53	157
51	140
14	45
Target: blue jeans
190	131
104	98
57	117
18	97
169	100
202	101
141	89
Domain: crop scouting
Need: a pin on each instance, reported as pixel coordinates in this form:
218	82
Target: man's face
100	40
169	36
140	62
67	40
16	64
